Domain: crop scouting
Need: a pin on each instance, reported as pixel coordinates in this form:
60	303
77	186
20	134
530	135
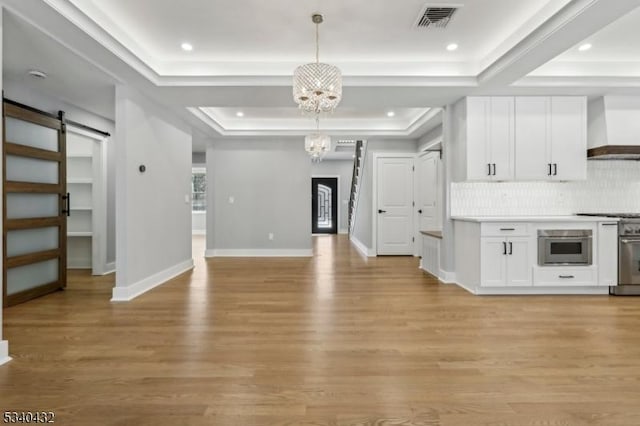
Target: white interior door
428	190
394	206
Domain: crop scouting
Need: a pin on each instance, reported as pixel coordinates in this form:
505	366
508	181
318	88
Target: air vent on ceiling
346	142
436	16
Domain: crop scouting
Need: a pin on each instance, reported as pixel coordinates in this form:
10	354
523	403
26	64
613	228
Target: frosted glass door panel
23	169
31	241
29	277
79	168
28	206
29	134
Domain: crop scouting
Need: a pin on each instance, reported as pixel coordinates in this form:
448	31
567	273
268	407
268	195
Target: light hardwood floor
333	340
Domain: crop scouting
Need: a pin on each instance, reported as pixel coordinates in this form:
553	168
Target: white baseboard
447	277
364	250
540	291
259	253
128	293
4	352
198	232
343	231
110	268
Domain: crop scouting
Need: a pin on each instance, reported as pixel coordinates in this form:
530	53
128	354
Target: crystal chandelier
317	87
317	144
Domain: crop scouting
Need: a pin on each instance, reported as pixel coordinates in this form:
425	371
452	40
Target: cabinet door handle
555	169
420	211
507	229
489	165
566	277
510	248
494	169
381	211
609	224
550	170
504	248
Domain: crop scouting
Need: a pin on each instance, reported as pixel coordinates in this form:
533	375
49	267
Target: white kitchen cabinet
569	137
551	138
608	254
489	138
505	262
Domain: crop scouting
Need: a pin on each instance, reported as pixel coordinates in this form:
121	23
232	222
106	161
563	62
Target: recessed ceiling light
585	47
187	47
239	114
451	47
37	74
391	114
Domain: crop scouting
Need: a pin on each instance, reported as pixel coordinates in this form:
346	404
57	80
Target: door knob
381	211
420	211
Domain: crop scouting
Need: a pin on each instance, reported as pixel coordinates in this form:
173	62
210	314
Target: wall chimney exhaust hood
614	128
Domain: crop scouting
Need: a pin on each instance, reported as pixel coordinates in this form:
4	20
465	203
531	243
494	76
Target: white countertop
535	219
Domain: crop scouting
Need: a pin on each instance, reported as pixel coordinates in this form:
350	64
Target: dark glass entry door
324	205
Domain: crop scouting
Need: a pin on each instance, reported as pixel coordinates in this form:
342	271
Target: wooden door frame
337	195
20	112
374	195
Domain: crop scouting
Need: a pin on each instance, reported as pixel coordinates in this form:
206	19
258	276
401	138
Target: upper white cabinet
489	138
520	138
551	138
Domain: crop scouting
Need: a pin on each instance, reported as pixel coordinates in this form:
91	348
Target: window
199	189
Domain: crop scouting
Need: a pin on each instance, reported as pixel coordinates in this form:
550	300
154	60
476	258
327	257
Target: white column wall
153	220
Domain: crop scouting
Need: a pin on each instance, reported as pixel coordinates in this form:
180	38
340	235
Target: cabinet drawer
559	276
505	229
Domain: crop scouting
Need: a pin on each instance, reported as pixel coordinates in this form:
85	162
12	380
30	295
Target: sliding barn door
35	205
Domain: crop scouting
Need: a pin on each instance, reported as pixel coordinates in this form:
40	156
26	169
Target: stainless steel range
628	253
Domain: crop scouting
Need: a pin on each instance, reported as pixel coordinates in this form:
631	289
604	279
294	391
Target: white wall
343	169
17	91
364	216
611	187
433	137
269	182
153	221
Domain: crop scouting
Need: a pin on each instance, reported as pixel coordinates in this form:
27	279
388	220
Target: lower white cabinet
554	276
500	257
505	262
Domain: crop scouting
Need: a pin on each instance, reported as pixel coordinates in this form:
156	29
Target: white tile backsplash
611	187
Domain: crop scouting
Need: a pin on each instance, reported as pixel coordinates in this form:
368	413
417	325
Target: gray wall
199	158
364	215
269	181
18	92
153	219
344	170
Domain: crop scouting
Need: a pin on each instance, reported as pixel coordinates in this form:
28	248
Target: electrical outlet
271	236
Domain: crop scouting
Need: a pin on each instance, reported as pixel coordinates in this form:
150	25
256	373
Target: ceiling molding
608	82
78	18
572	24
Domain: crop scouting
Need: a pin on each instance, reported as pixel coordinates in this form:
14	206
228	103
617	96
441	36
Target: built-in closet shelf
82	208
80	181
79	234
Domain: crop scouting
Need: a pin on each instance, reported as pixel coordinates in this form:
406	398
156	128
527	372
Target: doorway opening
324	205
